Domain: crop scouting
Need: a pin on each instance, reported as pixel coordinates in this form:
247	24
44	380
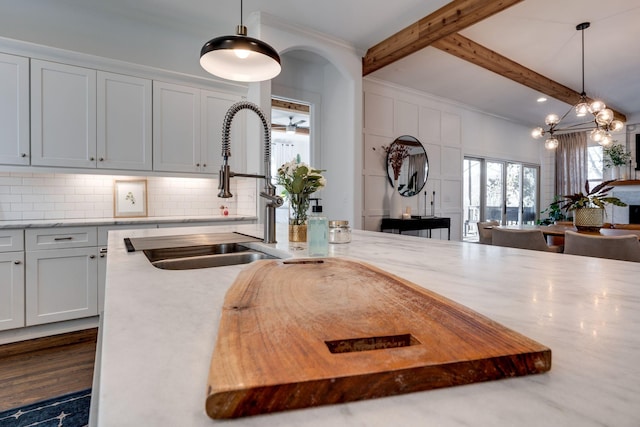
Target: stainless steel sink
204	256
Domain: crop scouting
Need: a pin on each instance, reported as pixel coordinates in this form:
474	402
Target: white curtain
571	163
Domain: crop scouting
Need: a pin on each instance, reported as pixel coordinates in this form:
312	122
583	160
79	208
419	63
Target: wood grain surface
308	332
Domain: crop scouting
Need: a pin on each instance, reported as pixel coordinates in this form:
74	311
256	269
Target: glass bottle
317	232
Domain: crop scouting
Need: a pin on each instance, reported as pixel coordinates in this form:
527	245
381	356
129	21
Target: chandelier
600	122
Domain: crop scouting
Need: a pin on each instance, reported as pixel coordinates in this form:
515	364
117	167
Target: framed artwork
129	198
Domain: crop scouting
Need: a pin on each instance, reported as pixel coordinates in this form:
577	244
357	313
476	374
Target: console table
416	223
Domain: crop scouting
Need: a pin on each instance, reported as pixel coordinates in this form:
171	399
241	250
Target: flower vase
622	172
615	172
298	206
395	205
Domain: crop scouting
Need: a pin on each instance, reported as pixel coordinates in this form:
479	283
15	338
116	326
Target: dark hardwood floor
42	368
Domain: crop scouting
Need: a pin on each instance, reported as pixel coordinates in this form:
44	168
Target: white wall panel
429	125
378	114
406	119
451	195
451	162
451	129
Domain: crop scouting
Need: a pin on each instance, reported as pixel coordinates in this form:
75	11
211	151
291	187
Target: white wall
337	86
448	132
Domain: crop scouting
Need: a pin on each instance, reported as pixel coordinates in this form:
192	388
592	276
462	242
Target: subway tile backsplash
25	196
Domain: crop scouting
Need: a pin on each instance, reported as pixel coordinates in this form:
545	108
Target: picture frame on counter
129	198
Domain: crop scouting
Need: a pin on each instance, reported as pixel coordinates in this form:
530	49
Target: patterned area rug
70	410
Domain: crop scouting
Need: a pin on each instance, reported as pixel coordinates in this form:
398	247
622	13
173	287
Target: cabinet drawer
60	238
11	240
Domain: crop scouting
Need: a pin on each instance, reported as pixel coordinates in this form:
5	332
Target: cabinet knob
92	256
204	165
92	158
23	155
17	262
101	255
198	164
101	159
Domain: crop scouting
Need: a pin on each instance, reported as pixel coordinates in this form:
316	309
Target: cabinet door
123	122
14	110
176	128
61	285
214	106
11	290
63	115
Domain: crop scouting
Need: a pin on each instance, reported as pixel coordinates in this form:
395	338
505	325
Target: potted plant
589	206
554	211
299	181
617	158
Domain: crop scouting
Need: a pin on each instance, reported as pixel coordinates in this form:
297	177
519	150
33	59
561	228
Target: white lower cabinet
61	280
11	279
11	290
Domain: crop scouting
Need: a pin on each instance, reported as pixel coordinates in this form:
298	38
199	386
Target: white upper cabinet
176	128
124	122
89	119
14	110
214	108
63	115
187	129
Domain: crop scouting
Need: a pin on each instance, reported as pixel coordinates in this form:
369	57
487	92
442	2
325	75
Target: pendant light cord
241	23
583	92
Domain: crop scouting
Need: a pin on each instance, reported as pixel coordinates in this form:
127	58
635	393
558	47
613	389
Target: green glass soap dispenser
318	231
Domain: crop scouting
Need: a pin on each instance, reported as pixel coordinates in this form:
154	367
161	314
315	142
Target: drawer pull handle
57	239
16	262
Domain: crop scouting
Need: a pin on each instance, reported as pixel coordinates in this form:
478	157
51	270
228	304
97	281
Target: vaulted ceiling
538	35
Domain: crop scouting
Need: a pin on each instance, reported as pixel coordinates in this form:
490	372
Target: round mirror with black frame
414	167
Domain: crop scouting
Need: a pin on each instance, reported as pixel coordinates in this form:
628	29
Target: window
594	165
499	190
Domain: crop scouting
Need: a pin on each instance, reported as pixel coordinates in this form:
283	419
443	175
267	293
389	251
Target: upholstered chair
484	231
523	239
625	248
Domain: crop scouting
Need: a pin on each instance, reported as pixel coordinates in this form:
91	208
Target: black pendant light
240	58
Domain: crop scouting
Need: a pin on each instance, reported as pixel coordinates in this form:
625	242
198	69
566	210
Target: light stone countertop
81	222
160	329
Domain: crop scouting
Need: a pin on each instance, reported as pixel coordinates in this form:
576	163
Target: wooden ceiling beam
449	19
467	49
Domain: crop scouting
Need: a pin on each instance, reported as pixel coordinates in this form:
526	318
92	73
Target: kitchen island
159	330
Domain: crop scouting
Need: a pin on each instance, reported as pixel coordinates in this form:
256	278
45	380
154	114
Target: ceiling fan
292	127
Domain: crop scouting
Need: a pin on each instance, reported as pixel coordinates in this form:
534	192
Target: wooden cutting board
309	332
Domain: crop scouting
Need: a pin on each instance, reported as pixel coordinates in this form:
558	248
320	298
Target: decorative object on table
339	231
396	153
224	210
589	206
130	198
600	120
617	159
554	212
69	410
299	181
